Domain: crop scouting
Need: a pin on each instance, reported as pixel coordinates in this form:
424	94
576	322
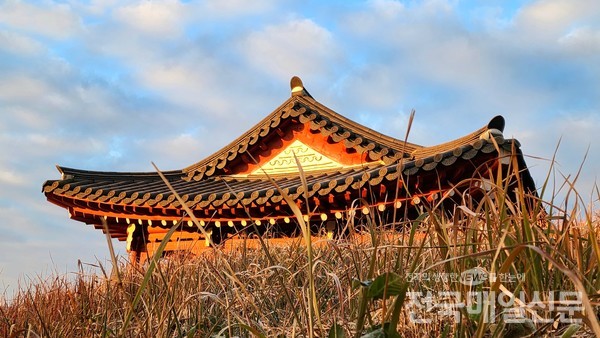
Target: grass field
495	268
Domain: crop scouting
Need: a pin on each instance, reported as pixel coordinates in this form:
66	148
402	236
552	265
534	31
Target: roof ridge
388	139
323	119
71	172
248	133
461	141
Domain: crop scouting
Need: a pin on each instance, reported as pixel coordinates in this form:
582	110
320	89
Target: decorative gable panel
285	163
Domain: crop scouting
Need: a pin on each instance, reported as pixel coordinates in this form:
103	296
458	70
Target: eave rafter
259	192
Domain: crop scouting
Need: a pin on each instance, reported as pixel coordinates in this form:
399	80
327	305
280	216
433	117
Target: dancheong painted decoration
349	170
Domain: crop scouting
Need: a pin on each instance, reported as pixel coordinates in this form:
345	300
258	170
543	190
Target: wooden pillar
133	254
134	257
330	227
207	239
136	244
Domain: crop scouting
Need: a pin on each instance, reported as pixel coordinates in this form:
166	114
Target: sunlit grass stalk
138	296
111	250
313	312
265	249
364	299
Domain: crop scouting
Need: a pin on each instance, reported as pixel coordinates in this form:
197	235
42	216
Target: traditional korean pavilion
350	171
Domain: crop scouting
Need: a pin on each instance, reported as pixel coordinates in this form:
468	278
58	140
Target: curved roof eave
309	110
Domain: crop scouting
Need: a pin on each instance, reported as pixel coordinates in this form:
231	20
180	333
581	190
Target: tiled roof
321	119
213	188
147	189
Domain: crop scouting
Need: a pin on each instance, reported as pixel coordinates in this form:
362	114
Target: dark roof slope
320	118
147	189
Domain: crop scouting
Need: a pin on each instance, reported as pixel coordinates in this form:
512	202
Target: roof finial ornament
494	129
298	87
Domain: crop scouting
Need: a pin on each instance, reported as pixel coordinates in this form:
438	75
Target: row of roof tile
319	118
147	189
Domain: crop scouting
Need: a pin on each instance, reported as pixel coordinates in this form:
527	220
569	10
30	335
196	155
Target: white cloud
166	19
377	86
455	61
549	12
298	46
546	21
96	7
52	19
235	8
11	178
19	44
556	14
387	8
21	87
576	133
54	98
194	81
178	151
582	41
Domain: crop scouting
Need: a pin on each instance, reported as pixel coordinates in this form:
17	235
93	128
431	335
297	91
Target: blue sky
113	85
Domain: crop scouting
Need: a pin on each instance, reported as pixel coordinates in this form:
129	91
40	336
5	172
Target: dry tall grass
349	287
